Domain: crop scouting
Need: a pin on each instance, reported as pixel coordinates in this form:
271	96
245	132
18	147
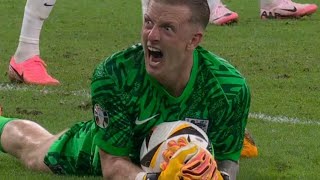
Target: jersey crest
203	124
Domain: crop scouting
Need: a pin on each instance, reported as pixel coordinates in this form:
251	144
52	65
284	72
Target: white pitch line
10	87
283	119
14	87
85	93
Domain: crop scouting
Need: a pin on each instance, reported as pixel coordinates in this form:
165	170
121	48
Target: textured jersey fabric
127	103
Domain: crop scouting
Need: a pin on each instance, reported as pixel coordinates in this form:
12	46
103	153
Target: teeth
153	49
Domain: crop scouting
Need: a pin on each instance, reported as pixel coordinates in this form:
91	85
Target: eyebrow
168	24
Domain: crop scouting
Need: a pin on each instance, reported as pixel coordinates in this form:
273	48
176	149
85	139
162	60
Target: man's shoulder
128	59
134	52
219	66
212	59
228	77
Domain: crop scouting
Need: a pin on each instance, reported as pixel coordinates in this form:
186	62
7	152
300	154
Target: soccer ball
156	142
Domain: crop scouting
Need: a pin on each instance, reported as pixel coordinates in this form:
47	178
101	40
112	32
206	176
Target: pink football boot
286	9
220	15
31	71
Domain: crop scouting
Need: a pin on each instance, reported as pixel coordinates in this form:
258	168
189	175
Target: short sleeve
114	132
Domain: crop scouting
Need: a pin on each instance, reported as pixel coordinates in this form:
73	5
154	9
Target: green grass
279	58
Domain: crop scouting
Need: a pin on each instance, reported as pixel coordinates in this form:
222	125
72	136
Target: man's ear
195	41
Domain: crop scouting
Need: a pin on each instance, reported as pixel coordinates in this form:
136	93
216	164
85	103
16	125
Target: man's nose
154	34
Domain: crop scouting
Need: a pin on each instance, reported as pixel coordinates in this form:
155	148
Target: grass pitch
279	58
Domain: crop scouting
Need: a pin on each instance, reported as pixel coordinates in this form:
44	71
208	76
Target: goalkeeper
169	77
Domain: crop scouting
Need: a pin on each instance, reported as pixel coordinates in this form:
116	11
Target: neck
176	81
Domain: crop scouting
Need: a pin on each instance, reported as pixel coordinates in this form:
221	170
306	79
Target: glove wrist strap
147	176
152	176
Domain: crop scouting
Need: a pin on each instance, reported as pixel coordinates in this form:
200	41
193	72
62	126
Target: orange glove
188	161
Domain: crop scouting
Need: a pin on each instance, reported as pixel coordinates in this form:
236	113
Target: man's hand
188	161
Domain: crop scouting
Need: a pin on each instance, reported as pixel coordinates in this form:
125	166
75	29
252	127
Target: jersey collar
187	90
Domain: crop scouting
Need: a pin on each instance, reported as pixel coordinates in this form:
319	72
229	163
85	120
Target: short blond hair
199	9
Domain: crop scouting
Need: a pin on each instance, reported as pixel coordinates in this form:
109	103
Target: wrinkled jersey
127	103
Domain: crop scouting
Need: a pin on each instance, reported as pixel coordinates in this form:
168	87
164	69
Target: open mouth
155	53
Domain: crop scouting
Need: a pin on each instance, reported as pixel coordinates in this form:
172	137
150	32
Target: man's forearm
228	169
118	168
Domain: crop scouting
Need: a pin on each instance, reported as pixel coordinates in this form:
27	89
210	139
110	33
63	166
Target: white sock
264	3
213	3
144	5
35	12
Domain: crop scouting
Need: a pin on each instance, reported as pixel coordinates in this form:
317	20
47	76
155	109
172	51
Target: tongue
154	59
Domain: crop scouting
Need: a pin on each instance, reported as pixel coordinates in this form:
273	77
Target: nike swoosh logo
46	4
290	10
146	120
17	75
225	15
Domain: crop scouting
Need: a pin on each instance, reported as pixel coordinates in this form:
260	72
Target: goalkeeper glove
184	160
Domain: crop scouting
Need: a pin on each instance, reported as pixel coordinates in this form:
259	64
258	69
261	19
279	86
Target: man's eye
167	28
148	22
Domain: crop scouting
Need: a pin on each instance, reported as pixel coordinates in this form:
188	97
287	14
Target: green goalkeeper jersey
128	102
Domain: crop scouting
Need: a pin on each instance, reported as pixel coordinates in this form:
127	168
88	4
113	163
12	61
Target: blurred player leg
144	4
270	9
220	14
26	65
